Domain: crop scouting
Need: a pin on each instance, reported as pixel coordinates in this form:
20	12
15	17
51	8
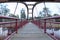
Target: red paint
45	26
52	36
54	17
7	38
16	27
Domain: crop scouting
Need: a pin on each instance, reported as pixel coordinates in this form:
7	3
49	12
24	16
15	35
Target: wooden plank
31	32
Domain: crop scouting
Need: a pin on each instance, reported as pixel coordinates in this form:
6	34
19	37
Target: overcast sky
12	7
53	7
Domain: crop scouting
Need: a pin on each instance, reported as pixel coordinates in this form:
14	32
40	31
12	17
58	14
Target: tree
23	13
12	15
17	16
40	14
56	15
3	9
46	12
49	15
57	20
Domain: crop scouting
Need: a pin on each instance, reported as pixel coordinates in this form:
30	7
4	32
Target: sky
12	7
53	7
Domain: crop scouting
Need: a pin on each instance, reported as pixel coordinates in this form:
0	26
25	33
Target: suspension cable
16	7
49	19
46	10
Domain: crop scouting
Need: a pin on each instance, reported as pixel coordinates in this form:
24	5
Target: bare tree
3	9
46	12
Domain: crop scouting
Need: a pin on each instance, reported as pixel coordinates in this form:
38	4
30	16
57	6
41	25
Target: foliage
56	15
57	20
46	12
49	15
4	10
17	16
40	14
12	15
23	13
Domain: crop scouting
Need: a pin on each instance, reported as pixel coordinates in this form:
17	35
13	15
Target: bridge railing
36	22
51	25
9	26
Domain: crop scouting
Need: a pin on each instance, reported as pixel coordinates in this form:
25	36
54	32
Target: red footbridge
34	29
15	26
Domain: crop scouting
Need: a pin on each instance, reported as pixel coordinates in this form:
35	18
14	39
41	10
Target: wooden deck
30	32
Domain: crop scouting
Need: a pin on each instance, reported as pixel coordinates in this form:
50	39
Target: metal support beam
16	27
44	26
30	4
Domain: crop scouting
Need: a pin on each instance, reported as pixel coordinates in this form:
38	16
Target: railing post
16	27
39	23
44	25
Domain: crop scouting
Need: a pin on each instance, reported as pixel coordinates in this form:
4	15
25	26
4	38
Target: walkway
30	32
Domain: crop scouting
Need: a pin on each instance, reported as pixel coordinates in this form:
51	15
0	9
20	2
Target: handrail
7	22
5	17
15	22
51	22
48	23
10	36
54	17
53	37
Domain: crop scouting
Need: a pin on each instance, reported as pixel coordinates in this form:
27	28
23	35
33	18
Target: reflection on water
56	32
3	32
0	30
49	31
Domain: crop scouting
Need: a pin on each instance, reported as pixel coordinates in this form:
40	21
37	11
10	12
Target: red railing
36	22
49	23
11	26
